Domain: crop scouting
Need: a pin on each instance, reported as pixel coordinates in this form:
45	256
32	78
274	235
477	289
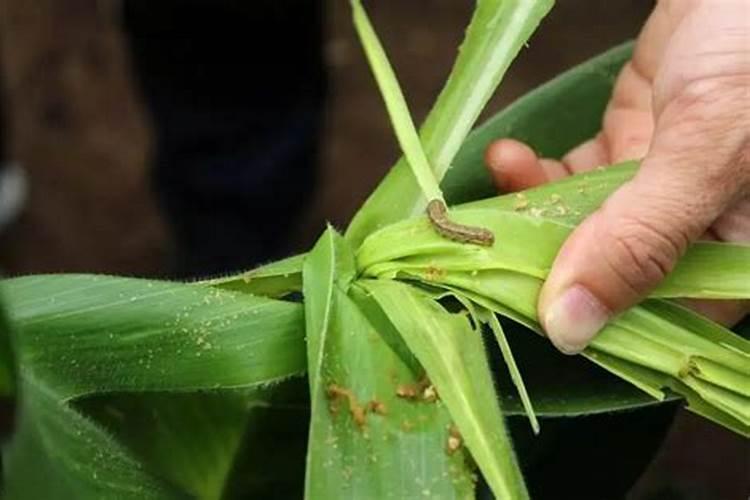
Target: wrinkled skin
683	105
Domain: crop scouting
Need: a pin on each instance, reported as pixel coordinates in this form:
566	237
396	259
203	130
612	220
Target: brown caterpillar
438	214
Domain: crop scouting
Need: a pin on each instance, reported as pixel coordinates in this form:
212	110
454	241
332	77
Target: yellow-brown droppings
521	202
378	407
429	394
561	210
415	391
357	411
689	368
407	391
455	441
347	472
537	212
407	425
333	408
433	273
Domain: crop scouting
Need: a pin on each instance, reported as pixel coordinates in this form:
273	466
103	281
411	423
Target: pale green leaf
272	280
527	242
496	34
406	132
365	441
455	360
670	341
513	370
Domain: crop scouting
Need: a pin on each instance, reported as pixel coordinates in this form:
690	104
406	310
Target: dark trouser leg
236	90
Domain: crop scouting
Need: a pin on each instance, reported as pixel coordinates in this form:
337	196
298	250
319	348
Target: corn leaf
365	441
276	279
656	346
497	31
455	359
271	461
709	270
86	334
562	386
188	439
217	444
552	118
567	201
513	370
406	132
58	454
528	243
7	358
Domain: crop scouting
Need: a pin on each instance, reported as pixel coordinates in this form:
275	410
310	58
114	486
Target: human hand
683	105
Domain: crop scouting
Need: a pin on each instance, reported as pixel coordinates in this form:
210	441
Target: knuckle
734	224
710	119
705	99
641	255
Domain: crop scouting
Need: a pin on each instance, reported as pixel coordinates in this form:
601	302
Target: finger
628	122
734	224
693	173
724	312
656	33
555	169
514	166
587	156
628	133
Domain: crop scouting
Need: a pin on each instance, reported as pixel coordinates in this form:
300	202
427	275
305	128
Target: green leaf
655	349
7	362
56	453
529	242
562	386
271	462
191	440
456	363
276	279
330	263
709	270
510	362
553	119
246	443
406	132
365	441
83	334
567	201
497	31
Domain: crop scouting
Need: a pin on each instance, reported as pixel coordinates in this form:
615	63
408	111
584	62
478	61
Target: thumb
697	166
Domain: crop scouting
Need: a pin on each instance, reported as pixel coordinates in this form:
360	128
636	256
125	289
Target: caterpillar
438	215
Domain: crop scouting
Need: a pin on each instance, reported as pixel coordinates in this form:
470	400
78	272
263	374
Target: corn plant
131	388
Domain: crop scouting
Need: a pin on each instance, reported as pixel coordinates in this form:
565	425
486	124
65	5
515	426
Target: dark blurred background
188	138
